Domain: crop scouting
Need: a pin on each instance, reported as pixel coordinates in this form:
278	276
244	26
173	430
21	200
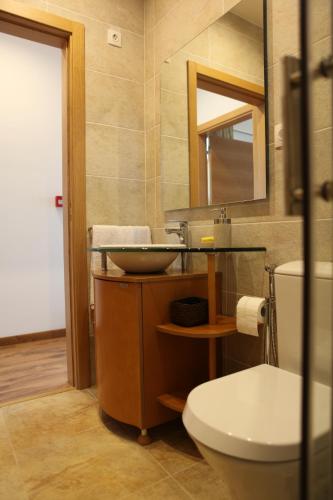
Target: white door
32	295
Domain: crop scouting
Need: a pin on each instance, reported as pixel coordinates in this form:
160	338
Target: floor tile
11	484
171	457
201	482
51	418
62	447
167	489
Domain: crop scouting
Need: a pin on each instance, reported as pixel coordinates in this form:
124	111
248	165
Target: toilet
248	425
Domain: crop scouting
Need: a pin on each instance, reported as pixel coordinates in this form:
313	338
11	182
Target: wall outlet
114	37
278	136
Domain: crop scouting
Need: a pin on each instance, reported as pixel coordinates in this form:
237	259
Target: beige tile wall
263	222
115	166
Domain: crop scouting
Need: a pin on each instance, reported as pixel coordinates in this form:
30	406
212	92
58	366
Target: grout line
184	139
32	397
176	92
282	221
174	477
187	493
241	33
169	475
145	136
117	77
147	82
48	4
115	126
165	15
115	178
324	129
323	39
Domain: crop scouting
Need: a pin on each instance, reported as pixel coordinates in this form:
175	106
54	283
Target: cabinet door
118	349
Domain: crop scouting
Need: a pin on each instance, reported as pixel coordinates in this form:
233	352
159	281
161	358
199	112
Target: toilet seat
254	414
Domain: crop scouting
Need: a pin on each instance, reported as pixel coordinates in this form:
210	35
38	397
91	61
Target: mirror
213	147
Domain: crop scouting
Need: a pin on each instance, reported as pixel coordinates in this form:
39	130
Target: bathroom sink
151	258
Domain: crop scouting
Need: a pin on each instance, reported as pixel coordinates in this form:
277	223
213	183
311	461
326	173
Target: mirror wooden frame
203	77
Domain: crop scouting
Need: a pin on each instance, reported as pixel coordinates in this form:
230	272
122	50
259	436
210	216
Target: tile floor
57	447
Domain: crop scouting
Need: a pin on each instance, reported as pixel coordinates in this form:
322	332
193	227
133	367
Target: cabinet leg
144	438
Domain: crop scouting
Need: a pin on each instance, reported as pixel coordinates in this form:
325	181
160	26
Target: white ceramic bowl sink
144	261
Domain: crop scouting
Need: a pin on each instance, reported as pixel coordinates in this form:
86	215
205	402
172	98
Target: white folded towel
122	235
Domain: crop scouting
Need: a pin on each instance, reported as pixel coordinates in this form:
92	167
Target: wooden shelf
225	325
175	401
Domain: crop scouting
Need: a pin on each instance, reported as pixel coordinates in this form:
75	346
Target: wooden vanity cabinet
135	364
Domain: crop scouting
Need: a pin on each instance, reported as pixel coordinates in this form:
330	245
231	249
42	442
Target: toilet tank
289	307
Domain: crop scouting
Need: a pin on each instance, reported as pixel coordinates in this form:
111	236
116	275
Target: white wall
211	105
31	250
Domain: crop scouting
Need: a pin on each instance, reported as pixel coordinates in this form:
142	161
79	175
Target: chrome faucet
181	231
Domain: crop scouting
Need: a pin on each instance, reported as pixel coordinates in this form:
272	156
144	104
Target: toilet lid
255	414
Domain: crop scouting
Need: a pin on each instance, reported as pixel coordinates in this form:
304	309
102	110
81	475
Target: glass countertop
173	248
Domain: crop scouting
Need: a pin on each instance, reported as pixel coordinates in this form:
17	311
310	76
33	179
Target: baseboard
30	337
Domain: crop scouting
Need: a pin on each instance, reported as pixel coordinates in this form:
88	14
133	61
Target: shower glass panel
317	50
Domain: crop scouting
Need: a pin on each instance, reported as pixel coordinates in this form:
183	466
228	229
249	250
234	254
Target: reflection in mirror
226	137
226	141
228	121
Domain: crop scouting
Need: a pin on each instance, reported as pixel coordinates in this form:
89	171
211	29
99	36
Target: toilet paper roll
249	314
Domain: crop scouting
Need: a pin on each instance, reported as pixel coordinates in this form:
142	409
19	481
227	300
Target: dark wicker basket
190	311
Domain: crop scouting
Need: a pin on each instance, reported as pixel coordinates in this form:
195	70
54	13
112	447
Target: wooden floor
32	368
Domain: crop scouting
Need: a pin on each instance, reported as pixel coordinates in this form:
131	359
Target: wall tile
285	28
115	152
231	48
149	13
321	17
173	195
323	168
172	33
235	23
115	201
282	239
162	7
322	88
127	14
39	4
126	61
199	46
174	160
149	55
174	73
229	4
174	114
121	104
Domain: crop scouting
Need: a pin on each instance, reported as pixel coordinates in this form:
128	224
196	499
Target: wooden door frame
203	77
40	26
